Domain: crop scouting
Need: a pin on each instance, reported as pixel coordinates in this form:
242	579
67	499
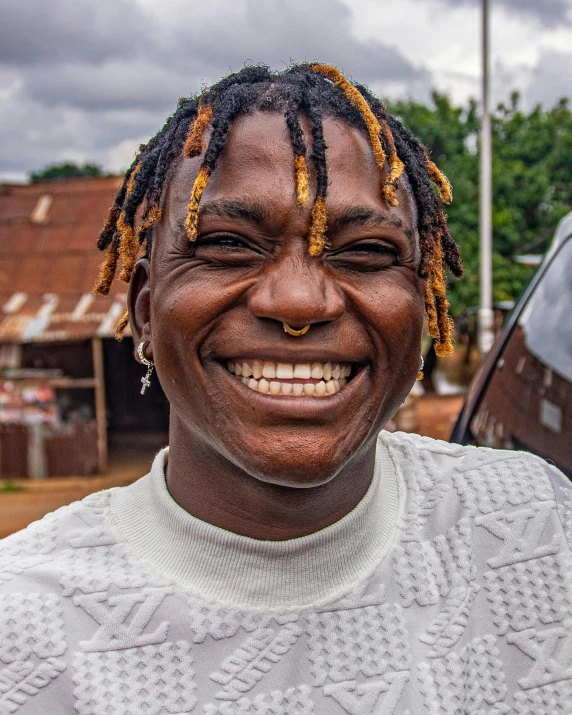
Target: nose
296	291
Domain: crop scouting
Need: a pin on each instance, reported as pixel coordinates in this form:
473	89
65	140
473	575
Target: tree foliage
532	183
65	170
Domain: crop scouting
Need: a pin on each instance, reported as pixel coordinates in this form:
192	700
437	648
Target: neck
214	489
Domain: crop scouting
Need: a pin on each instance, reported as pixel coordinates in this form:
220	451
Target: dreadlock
200	127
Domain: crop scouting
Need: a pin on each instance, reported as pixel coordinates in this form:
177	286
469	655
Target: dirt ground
35	498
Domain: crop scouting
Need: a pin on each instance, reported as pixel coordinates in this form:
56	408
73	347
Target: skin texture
261	466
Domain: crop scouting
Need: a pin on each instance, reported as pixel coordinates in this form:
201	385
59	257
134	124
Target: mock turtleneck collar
227	569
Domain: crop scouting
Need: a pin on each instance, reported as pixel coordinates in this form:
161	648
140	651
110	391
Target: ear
139	304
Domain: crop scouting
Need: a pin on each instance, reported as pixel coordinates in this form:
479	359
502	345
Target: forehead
257	165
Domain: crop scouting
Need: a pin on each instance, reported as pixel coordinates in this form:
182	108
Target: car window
528	401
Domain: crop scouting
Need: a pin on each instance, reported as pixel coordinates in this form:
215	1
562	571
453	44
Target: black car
522	396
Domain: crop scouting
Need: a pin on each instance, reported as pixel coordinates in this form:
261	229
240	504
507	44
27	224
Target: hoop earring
420	375
150	365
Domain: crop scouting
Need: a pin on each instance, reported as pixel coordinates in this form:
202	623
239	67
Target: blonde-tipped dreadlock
106	272
356	99
442	182
302	180
436	304
318	225
128	247
315	91
192	222
195	144
131	182
121	325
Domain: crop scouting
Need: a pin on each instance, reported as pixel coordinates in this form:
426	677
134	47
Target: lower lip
303	406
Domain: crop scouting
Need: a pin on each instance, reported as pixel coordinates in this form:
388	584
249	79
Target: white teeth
320	388
317	371
265	377
284	371
303	371
257	369
269	369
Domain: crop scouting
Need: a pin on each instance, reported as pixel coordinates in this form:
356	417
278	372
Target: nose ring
295	333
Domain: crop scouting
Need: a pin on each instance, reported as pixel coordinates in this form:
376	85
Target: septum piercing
295	333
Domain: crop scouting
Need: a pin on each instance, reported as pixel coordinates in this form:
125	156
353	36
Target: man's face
222	301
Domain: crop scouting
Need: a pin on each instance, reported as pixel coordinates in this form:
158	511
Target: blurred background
83	83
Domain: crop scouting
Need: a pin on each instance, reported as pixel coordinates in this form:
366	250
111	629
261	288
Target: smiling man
283	236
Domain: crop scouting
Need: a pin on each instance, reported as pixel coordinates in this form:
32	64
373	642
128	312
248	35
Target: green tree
65	170
532	183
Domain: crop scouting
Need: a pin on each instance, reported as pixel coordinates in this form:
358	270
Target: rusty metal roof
49	261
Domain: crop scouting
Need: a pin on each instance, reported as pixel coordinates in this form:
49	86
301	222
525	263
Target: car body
521	397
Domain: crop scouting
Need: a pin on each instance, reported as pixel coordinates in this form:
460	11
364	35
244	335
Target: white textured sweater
447	590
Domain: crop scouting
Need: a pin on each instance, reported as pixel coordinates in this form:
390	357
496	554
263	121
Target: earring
150	365
420	373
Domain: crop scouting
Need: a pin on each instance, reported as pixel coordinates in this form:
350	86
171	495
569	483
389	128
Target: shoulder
72	549
485	479
46	540
474	482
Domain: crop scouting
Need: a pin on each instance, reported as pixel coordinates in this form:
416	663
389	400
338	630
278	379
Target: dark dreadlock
311	90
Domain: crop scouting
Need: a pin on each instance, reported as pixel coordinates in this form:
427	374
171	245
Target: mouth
277	379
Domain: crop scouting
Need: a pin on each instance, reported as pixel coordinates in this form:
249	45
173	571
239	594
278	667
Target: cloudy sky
88	80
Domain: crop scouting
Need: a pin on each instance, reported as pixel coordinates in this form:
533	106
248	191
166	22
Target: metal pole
100	412
486	317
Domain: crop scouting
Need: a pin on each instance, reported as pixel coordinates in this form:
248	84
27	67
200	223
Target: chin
299	461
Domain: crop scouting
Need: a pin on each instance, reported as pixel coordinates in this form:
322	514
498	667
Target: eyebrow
364	216
253	212
257	213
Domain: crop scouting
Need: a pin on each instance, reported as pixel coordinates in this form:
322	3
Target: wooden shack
67	387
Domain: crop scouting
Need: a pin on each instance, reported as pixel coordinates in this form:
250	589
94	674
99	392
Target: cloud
549	83
550	13
89	80
34	31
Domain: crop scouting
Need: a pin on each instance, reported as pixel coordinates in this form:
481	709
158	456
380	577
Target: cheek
394	309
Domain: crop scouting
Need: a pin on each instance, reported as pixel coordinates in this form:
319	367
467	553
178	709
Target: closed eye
364	256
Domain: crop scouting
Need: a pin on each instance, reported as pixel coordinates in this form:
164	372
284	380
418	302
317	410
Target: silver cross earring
149	363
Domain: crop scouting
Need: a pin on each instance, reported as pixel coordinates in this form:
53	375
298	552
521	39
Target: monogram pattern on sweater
27	549
470	681
253	658
31	639
25	678
481	481
470	613
293	701
154	680
364	641
530	593
554	699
